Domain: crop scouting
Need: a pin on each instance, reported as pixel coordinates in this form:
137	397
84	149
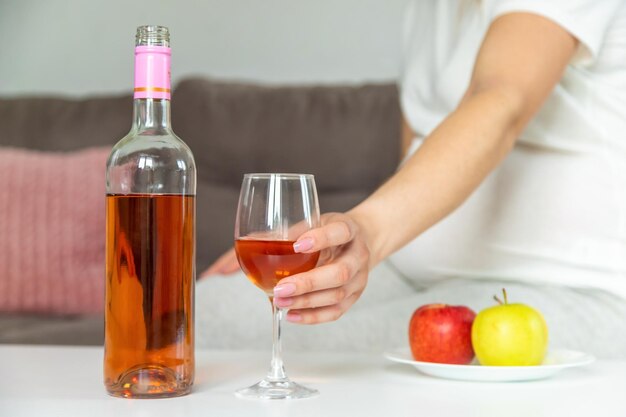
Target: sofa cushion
58	124
52	230
347	136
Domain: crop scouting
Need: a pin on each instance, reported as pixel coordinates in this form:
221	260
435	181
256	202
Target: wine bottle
150	240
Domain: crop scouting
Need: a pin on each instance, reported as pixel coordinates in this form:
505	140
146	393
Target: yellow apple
509	335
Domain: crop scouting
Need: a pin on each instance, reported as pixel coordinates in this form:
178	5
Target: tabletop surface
67	381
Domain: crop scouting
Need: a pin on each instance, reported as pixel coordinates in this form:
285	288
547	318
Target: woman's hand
326	292
224	265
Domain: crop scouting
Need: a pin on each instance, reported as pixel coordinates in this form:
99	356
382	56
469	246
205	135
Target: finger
333	234
230	268
217	265
322	314
319	298
326	256
225	264
324	277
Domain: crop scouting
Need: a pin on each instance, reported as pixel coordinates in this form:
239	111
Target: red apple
442	333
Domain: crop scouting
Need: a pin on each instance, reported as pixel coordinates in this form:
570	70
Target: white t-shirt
555	210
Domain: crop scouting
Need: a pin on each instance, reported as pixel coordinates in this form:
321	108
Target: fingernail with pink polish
284	290
283	302
294	317
303	245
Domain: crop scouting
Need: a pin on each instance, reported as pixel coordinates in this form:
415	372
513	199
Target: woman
515	125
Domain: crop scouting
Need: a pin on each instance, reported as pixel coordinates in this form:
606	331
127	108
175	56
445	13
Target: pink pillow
52	231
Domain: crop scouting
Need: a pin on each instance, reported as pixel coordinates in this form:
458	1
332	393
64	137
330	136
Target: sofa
348	136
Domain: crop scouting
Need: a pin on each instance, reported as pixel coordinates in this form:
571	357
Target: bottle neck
151	114
152	89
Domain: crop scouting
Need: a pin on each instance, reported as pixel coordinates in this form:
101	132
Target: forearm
444	171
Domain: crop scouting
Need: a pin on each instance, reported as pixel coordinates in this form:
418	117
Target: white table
67	381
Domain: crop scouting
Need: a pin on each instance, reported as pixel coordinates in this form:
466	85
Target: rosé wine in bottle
150	241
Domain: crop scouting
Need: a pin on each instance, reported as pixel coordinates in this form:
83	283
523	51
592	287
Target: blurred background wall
81	47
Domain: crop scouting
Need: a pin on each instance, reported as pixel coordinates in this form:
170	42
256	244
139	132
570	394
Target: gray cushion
347	136
56	124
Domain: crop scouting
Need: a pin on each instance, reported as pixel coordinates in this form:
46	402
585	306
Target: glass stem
277	370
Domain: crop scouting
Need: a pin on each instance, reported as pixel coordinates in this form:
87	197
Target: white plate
556	361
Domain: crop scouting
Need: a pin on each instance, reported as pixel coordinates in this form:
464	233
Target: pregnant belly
537	216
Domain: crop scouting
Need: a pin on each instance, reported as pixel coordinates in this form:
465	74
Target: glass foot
276	390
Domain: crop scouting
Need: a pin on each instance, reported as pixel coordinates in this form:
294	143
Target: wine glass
273	211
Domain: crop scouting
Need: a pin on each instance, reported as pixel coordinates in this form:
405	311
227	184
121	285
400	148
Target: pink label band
152	72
